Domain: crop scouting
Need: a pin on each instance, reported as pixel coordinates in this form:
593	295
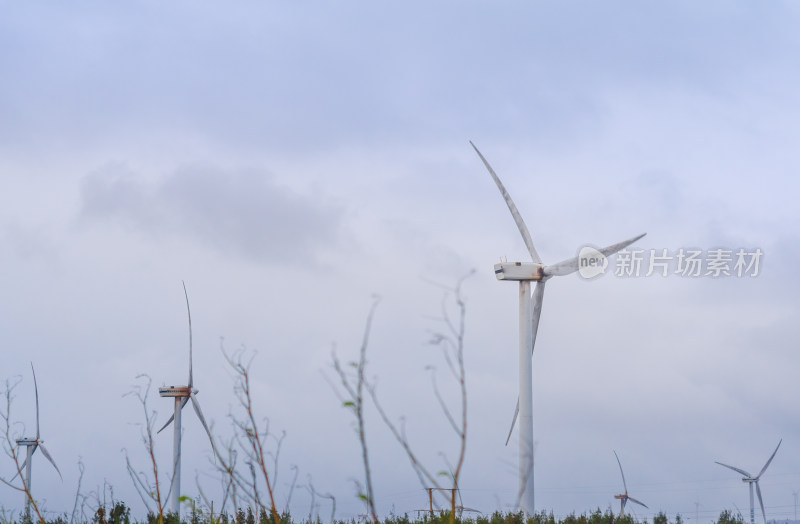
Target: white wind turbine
31	445
525	273
750	479
182	394
624	497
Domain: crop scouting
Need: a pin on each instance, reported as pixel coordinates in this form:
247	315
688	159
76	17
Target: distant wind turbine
182	394
525	273
750	479
32	444
624	498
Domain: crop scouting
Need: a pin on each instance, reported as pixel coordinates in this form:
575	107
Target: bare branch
443	404
354	387
251	439
451	342
81	468
141	392
291	488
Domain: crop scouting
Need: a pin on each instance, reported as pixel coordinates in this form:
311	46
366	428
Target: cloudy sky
291	161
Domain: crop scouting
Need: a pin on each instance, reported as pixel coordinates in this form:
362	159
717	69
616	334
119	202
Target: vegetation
119	513
451	343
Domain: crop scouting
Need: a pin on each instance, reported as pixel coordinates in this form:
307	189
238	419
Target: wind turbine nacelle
27	442
518	271
176	391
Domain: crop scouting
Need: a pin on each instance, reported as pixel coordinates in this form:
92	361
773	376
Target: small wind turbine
525	273
624	498
31	445
750	479
182	394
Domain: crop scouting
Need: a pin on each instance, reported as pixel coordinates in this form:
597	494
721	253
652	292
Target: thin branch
81	468
154	493
355	390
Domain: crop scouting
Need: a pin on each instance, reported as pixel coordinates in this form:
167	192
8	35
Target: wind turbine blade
638	502
624	485
513	421
189	312
613	248
21	468
770	460
196	406
172	417
526	236
24	462
569	266
737	470
36	389
559	269
761	502
167	423
48	457
536	312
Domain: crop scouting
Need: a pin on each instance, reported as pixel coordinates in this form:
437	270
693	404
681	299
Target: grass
119	513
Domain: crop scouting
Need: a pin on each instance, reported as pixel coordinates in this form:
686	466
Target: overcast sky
290	161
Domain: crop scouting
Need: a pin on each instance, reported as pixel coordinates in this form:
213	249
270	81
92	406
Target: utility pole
453	492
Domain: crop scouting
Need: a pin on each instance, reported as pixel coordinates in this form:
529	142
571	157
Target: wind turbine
182	394
31	445
750	479
624	498
525	273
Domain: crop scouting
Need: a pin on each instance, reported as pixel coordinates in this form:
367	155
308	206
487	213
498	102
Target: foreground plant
251	439
355	384
149	491
354	401
451	343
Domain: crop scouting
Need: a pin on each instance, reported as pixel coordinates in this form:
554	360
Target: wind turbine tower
750	479
31	445
529	312
182	395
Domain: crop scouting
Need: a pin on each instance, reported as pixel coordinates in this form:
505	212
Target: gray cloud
261	79
243	212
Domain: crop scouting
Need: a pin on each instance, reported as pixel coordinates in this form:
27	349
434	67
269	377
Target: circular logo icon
591	262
